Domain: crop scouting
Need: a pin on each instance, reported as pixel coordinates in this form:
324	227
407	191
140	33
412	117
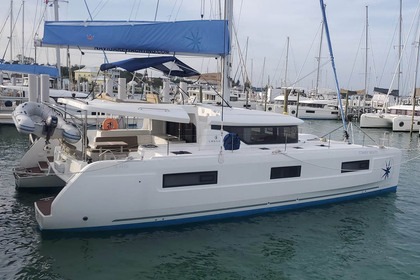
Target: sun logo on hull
387	170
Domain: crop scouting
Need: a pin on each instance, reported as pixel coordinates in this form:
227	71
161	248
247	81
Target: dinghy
42	121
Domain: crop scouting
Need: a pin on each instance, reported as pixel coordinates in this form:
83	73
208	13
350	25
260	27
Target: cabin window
351	166
183	131
189	179
257	135
285	172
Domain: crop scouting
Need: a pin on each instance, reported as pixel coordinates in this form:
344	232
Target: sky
263	29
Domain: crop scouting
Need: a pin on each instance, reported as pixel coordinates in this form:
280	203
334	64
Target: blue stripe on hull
232	214
25	129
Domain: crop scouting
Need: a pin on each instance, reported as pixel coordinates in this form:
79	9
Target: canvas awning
193	37
169	65
29	69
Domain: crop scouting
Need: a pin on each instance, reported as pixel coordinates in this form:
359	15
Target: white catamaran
199	162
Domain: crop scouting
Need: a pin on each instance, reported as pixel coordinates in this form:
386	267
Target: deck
44	205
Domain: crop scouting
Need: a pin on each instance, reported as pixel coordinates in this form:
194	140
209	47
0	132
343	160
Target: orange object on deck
109	124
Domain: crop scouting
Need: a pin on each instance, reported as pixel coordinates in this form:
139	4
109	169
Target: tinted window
189	179
351	166
285	172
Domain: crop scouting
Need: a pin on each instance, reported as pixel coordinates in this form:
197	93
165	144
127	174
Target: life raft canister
109	124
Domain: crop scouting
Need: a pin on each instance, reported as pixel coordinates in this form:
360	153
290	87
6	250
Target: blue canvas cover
204	37
169	65
30	69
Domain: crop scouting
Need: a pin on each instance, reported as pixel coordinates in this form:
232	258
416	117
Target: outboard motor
49	127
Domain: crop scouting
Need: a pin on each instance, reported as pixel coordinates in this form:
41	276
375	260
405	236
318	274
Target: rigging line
240	55
102	7
91	18
355	59
13	29
177	12
172	11
4	25
276	73
33	30
157	8
388	54
137	9
372	54
134	10
326	167
304	63
88	10
301	69
97	8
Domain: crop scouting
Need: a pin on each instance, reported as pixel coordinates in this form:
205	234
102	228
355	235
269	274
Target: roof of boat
164	112
234	116
180	113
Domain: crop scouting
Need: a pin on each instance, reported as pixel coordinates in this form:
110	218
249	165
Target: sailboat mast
285	94
22	59
226	58
327	33
11	31
399	48
366	56
57	49
319	60
287	62
415	84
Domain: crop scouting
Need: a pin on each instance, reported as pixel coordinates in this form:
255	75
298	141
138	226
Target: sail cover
29	69
203	37
169	65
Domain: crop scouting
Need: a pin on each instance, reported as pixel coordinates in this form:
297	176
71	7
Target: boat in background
303	107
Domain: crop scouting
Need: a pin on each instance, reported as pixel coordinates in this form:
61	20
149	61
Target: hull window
285	172
189	179
351	166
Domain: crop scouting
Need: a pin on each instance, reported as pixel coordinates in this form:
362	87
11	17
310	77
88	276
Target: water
376	238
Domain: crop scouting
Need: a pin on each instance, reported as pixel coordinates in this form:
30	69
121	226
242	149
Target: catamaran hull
27	180
376	120
133	194
403	123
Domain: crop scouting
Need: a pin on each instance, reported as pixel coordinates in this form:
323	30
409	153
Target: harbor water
374	238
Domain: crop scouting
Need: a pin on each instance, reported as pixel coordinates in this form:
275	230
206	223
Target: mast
57	49
285	94
366	57
319	60
22	59
287	62
327	33
11	31
415	84
226	59
399	48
